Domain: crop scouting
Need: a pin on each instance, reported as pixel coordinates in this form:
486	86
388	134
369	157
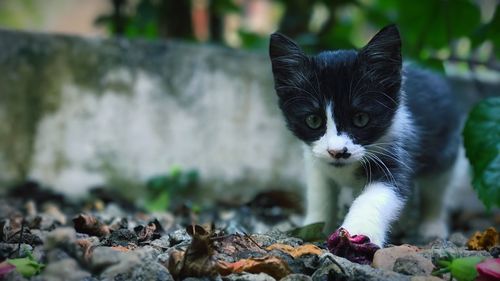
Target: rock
63	270
122	237
337	268
413	265
103	257
179	236
7	248
425	278
161	243
495	252
248	276
386	257
60	236
329	271
297	277
147	253
14	276
458	239
441	253
56	255
131	267
264	240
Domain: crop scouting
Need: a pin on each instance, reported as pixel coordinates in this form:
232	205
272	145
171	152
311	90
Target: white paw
376	234
433	229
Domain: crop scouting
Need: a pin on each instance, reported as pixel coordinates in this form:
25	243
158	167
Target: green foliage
462	269
162	189
27	266
482	143
309	233
429	28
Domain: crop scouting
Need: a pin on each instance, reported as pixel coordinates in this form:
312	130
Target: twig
253	241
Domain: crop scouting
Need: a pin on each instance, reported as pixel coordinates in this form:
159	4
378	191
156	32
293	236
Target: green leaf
27	266
309	233
482	144
464	269
435	24
158	203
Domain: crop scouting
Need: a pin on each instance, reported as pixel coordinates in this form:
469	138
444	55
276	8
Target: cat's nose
337	154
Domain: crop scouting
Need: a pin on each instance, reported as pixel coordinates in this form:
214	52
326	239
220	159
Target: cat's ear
384	47
286	56
382	56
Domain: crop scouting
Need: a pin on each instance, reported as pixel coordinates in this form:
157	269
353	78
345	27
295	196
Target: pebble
103	257
179	236
386	257
413	265
248	276
297	277
64	270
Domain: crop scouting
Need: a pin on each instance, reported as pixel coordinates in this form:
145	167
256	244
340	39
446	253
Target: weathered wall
83	112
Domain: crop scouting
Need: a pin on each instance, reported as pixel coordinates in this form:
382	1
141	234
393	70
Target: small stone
63	270
122	237
60	236
385	258
296	277
495	252
103	257
248	276
413	265
329	271
458	239
162	242
425	278
179	236
131	267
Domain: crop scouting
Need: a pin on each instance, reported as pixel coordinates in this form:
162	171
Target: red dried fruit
356	248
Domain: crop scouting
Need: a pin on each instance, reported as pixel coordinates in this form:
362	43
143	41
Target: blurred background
157	99
462	32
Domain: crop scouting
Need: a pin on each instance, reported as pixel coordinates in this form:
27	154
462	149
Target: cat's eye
314	121
360	119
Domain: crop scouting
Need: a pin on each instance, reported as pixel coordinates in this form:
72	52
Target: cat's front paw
356	248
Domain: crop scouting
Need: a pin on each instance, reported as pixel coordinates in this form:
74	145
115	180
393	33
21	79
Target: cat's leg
321	196
433	211
373	211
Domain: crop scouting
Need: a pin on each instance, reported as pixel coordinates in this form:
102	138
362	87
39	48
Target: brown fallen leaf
484	241
87	249
295	252
146	233
272	266
198	259
90	225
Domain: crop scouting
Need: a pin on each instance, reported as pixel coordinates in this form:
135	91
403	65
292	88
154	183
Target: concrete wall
77	113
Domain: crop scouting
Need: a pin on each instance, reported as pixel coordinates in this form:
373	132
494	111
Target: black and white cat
373	127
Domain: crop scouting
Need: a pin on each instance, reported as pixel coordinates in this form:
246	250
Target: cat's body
370	127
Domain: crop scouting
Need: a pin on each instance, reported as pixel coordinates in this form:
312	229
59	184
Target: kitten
370	126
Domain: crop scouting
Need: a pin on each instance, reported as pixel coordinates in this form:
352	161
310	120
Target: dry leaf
295	252
484	241
86	247
90	225
272	266
197	261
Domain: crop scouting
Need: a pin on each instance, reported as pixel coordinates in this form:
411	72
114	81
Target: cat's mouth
339	164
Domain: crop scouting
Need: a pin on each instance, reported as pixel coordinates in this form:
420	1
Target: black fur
370	80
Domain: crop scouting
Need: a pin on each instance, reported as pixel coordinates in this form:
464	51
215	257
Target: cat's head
340	103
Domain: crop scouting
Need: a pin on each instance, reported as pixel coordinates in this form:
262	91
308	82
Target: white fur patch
373	211
331	140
